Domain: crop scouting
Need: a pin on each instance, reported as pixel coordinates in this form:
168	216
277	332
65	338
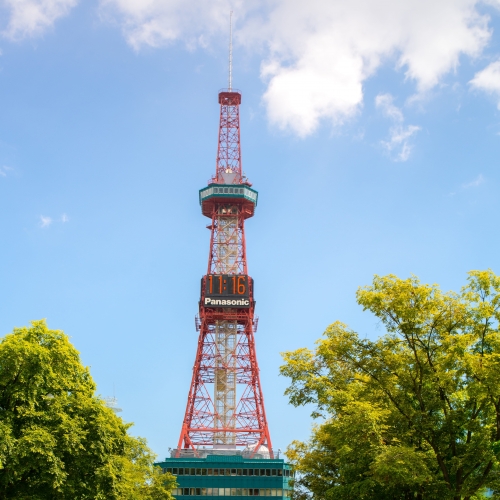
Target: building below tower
228	473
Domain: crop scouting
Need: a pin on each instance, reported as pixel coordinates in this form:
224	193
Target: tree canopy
57	439
413	414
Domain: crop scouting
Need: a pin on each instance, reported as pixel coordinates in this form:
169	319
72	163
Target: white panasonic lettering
228	302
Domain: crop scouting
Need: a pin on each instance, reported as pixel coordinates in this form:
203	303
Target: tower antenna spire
230	51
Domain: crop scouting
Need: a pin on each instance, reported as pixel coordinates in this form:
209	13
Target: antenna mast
230	51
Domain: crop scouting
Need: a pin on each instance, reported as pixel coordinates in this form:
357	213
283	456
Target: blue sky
370	128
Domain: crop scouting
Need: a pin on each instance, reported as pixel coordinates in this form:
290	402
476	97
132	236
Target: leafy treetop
414	414
57	439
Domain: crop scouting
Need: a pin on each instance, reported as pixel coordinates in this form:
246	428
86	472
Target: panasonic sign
212	302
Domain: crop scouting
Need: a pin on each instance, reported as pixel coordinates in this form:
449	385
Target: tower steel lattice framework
225	406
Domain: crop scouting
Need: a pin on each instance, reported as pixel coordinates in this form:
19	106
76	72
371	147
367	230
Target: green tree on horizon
58	440
414	414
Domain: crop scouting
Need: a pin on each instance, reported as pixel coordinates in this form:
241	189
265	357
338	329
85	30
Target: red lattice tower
225	407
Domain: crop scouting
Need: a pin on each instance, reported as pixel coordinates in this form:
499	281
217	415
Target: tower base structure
229	473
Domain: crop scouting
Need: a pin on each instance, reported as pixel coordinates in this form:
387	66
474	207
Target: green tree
57	439
414	414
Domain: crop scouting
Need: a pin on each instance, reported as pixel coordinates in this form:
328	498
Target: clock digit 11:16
227	284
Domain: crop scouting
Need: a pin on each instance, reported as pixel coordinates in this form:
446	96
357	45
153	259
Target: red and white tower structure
225	406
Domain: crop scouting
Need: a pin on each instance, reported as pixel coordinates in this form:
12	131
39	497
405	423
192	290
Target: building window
253	492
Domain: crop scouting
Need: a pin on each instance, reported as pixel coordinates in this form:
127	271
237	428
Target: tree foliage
57	439
414	414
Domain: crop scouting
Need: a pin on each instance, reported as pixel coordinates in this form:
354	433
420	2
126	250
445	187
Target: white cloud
321	52
318	54
45	221
488	80
29	18
4	170
475	183
399	141
64	218
157	23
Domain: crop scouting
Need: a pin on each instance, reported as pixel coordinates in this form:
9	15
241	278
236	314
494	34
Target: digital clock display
227	290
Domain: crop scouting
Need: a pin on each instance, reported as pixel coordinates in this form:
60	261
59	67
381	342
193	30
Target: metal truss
229	151
220	371
228	252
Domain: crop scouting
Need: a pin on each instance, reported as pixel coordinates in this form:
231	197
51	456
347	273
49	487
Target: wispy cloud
469	185
488	80
29	18
64	218
4	170
399	134
475	183
45	221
